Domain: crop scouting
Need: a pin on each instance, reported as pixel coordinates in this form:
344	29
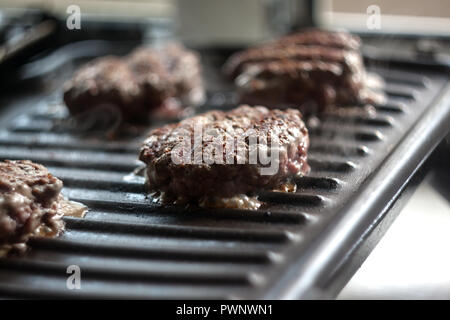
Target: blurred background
412	261
412	29
236	21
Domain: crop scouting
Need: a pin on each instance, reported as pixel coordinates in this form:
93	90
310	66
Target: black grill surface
129	247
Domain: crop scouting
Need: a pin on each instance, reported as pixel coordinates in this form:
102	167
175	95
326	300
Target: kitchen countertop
412	260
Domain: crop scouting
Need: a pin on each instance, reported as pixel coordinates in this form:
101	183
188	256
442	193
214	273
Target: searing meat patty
223	154
29	198
311	85
186	74
311	70
151	76
137	85
106	82
329	39
349	61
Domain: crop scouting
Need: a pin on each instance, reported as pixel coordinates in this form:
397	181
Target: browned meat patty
220	162
105	81
350	61
329	39
151	76
186	74
310	85
137	85
29	197
311	70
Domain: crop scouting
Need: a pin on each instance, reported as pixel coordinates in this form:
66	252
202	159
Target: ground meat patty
310	85
151	75
186	74
180	161
137	85
350	61
329	39
29	197
105	81
310	70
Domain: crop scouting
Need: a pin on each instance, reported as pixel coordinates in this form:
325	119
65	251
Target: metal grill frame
303	245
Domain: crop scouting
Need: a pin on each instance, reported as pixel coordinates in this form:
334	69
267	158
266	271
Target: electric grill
305	244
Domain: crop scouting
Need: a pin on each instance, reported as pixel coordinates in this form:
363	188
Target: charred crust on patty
311	70
137	85
234	174
29	198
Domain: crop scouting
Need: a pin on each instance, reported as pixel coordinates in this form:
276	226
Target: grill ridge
142	252
179	231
